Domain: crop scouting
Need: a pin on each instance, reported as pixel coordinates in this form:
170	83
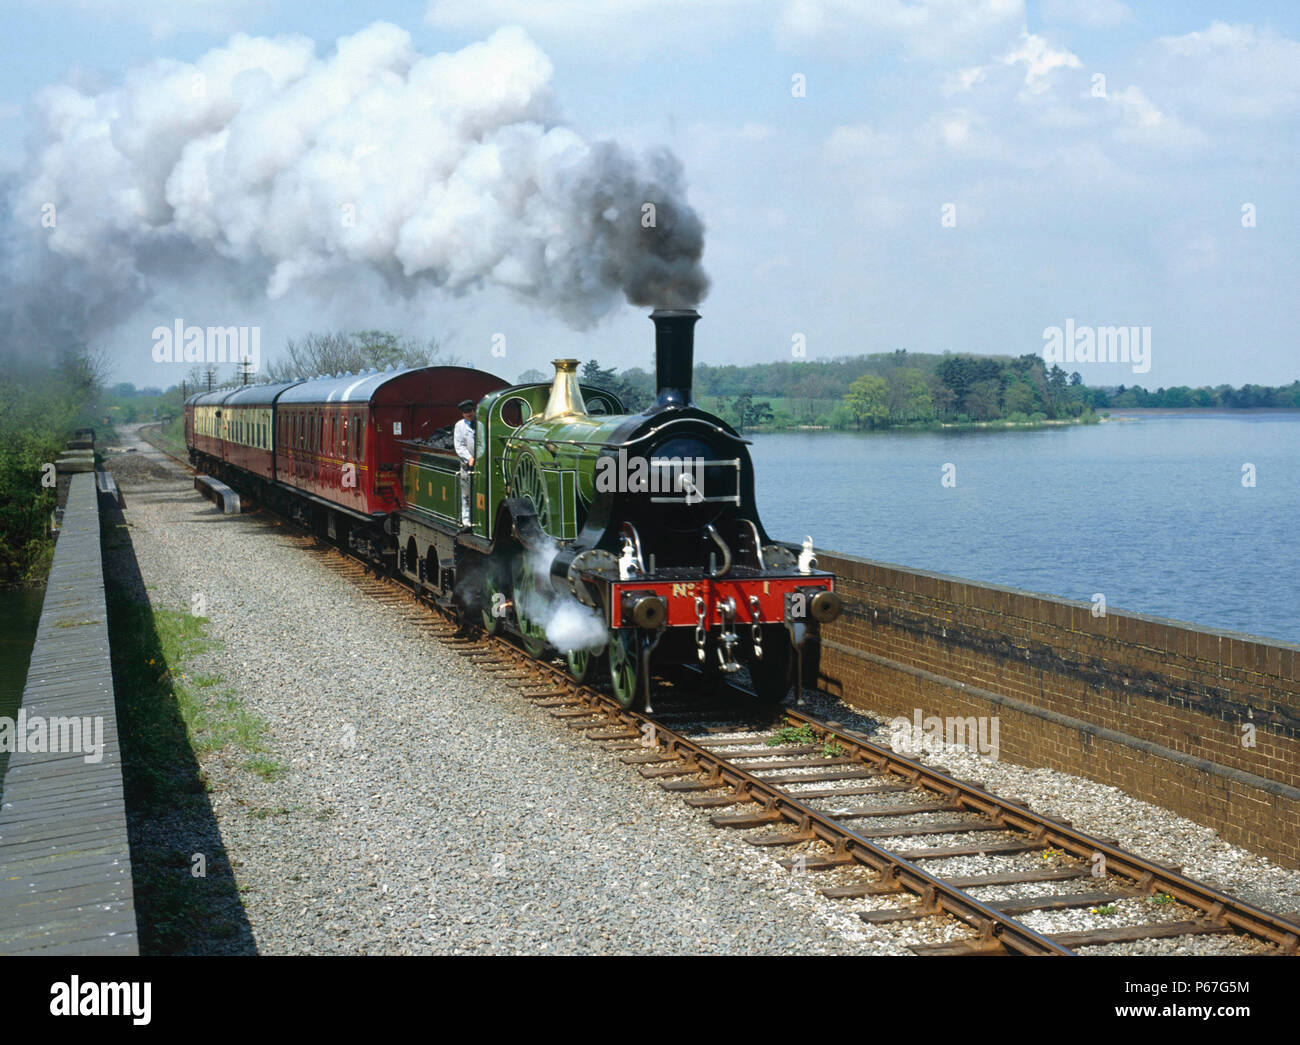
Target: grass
173	713
169	436
215	718
790	734
169	719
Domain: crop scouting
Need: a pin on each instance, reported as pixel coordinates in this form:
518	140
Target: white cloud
1096	14
1041	59
960	131
1232	71
165	18
930	29
597	28
1142	122
963	80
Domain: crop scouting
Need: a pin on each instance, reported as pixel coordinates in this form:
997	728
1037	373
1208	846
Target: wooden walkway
65	863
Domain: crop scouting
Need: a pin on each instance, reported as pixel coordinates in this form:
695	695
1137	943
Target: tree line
882	390
902	388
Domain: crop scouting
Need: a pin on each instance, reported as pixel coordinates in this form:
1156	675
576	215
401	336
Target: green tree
1019	398
909	395
635	389
982	401
868	398
749	413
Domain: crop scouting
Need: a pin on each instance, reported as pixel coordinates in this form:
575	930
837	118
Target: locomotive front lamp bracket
714	571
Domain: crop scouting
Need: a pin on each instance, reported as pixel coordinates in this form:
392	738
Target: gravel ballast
426	809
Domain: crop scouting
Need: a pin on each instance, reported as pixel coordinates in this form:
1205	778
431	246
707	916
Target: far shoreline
1110	414
1198	411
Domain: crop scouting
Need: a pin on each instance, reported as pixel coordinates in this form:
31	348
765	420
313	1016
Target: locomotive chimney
674	354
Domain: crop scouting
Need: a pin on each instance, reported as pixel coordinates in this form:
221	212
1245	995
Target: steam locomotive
621	541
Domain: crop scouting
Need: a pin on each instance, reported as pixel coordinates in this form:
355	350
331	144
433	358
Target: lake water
1149	510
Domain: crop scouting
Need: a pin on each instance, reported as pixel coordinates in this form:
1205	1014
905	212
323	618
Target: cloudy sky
871	174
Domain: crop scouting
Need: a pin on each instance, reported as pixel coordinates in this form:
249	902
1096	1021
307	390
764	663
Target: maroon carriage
338	439
248	416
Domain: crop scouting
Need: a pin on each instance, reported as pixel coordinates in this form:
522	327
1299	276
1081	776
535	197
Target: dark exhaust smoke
674	354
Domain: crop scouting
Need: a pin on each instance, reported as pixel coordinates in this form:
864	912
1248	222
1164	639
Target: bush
39	410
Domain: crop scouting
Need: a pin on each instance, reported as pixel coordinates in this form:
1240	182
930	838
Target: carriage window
356	437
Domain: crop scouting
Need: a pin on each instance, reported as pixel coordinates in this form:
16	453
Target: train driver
463	439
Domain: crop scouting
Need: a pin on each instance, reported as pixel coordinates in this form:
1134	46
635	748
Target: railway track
839	801
885	830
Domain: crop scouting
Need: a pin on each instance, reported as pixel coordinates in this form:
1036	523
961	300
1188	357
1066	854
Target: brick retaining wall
1153	706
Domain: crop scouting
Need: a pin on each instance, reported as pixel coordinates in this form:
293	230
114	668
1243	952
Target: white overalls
463	439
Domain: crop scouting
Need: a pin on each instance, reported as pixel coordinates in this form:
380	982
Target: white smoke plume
263	166
569	625
572	626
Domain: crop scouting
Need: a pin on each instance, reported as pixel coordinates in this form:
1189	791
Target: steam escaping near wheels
262	166
569	625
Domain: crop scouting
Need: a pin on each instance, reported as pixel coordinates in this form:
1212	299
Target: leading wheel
625	666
